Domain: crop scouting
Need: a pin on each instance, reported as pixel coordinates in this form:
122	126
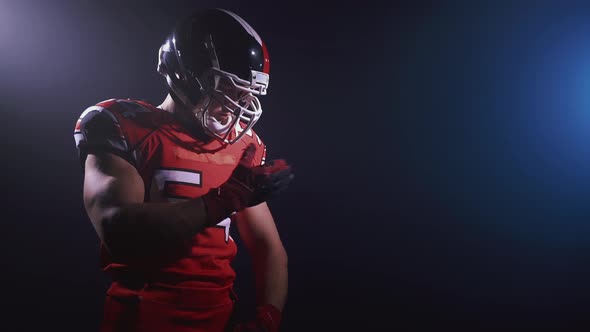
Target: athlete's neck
185	117
168	104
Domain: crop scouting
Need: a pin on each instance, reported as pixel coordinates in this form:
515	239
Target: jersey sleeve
260	157
260	153
99	130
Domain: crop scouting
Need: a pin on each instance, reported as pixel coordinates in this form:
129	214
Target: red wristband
269	317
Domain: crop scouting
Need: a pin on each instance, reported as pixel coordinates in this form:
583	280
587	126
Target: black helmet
210	51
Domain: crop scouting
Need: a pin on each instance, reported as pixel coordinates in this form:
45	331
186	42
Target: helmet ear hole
162	69
166	61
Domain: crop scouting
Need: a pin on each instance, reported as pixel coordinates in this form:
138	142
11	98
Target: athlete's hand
247	186
268	319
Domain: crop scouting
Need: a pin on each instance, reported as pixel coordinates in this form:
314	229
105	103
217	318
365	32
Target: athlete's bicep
110	182
257	228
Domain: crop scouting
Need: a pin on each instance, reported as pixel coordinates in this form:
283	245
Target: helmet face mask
225	111
231	99
216	65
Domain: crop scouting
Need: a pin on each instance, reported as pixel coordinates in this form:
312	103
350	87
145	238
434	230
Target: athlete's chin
223	118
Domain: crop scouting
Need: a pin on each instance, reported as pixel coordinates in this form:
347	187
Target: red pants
159	308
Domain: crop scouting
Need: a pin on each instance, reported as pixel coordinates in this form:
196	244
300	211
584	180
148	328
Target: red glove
247	186
268	319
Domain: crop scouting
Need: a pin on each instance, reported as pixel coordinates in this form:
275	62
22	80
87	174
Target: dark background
442	153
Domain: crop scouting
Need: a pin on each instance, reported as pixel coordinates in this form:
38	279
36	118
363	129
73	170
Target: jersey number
185	177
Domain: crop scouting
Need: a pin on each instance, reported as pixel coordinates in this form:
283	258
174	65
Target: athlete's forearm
144	231
271	276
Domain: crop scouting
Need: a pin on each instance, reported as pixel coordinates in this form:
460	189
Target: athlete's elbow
111	230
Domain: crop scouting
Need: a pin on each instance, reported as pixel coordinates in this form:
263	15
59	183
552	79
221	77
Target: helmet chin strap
218	127
178	96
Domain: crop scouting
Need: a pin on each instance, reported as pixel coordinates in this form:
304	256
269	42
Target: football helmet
215	57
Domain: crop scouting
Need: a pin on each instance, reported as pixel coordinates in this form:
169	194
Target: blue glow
493	117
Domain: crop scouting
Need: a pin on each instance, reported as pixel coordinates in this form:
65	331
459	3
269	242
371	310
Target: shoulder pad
128	108
252	138
99	129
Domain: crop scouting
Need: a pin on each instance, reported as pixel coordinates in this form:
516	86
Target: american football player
163	185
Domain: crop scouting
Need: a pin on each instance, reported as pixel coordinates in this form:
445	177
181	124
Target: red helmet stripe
266	66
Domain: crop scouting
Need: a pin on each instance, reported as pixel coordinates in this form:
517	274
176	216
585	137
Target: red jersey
174	165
